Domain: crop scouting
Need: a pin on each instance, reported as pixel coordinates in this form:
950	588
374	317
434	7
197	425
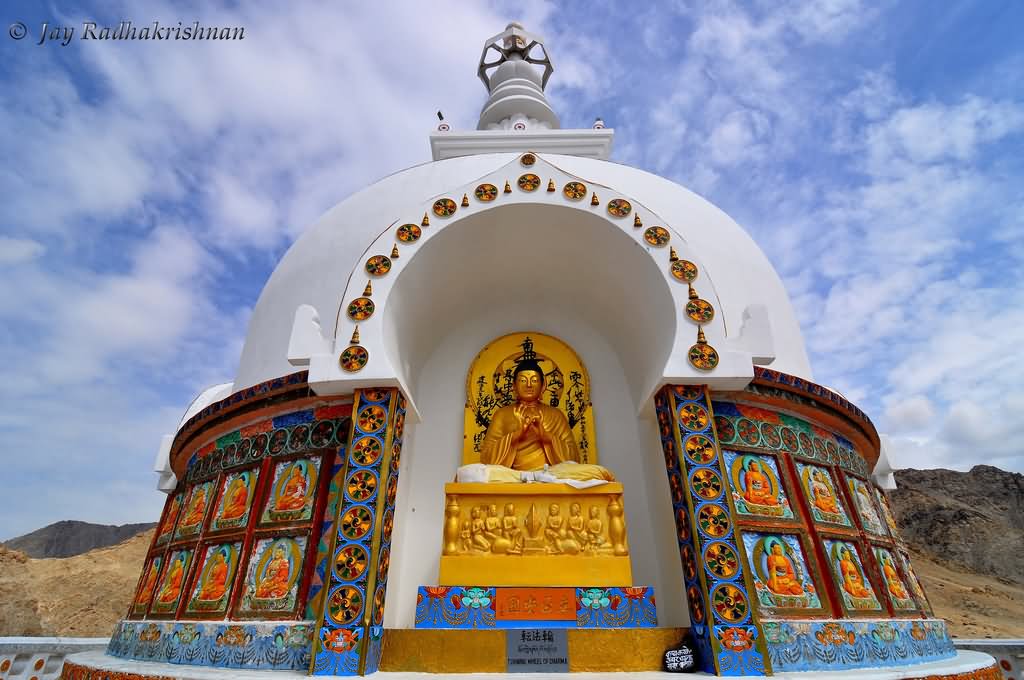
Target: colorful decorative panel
292	492
170	518
169	591
747	425
212	590
866	511
890	520
783	581
820	490
314	598
913	582
199	500
475	607
815	645
272	581
282	645
351	630
851	579
895	587
235	500
147	584
721	614
756	485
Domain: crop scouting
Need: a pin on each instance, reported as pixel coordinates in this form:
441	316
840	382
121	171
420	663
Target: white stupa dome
561	252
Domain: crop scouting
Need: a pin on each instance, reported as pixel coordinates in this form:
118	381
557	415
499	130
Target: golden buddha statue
529	436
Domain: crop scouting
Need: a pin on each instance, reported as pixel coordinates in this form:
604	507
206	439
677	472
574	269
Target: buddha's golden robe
530	436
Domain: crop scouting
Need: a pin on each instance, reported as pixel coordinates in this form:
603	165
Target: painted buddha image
146	591
893	583
216	578
852	578
172	582
782	578
824	498
866	507
757	487
274	581
197	508
236	499
172	516
529	436
293	491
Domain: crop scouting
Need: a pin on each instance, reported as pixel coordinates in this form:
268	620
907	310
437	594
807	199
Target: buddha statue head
528	381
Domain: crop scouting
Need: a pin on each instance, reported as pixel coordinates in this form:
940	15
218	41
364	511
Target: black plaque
537	650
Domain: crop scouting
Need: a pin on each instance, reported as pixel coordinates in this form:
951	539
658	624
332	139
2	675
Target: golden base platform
534	535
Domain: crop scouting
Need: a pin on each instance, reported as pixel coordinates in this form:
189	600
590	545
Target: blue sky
874	150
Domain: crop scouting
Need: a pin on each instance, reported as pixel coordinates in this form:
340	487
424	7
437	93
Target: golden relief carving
528	526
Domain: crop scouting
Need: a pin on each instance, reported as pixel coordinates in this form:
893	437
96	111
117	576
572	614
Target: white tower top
517	98
515	67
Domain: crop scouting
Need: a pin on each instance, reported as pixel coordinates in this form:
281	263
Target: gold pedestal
534	535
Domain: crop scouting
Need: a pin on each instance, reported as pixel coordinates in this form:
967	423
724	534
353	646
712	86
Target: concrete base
967	665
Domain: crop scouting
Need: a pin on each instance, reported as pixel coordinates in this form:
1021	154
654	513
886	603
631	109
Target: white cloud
14	251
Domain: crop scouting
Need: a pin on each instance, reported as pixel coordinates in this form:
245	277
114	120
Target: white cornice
586	143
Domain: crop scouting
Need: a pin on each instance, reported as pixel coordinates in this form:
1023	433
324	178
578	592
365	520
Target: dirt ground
85	595
80	596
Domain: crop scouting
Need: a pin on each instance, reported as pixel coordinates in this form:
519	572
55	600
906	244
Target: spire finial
516	88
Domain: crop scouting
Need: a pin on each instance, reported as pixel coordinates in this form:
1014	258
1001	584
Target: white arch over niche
532	249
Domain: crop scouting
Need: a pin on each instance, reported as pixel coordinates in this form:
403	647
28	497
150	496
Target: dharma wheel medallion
729	602
721	560
706	483
700	449
684	270
409	233
699	310
356	522
378	265
528	159
703	356
345	605
486	193
361	485
350	562
444	207
366	451
372	418
361	308
354	358
575	190
529	182
619	207
657	236
713	521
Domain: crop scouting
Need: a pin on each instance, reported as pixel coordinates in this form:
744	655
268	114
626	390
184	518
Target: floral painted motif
684	270
575	190
619	207
700	310
657	236
476	598
486	193
527	159
444	207
528	182
693	417
594	598
703	356
409	233
378	265
360	309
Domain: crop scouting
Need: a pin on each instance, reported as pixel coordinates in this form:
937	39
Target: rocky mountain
972	520
68	538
